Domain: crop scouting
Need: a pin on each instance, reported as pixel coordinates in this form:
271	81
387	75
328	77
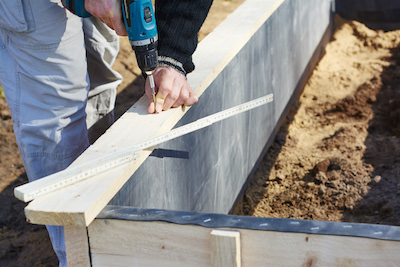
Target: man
55	70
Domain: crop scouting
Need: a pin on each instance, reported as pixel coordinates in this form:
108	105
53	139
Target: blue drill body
141	27
139	19
77	7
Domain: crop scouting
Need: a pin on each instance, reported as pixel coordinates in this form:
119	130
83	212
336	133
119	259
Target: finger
193	99
151	109
166	83
118	27
108	21
183	97
176	93
160	100
170	100
91	8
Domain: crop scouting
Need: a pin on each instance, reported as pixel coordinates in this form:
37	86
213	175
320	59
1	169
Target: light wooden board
79	204
77	246
225	248
130	243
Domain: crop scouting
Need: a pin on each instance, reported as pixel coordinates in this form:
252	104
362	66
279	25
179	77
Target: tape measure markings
30	191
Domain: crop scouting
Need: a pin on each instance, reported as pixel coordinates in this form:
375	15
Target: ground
336	157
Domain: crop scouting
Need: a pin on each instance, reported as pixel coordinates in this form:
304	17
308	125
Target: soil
336	157
24	244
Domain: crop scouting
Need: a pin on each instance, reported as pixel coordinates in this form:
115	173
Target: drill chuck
146	53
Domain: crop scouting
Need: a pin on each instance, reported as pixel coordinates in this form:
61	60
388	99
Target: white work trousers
51	63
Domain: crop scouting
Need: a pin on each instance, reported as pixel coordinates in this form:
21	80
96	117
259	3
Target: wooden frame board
166	244
126	236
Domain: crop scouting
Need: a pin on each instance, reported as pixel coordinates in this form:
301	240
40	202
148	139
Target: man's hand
172	90
109	12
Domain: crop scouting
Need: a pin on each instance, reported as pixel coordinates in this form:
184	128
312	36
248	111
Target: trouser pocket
15	15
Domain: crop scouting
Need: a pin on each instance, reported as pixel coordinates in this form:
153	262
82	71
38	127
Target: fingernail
158	108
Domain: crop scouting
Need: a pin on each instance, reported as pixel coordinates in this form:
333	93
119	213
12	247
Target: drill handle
139	20
76	7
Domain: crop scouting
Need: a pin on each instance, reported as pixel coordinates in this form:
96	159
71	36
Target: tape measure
72	175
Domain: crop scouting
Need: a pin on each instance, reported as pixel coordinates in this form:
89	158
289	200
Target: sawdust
337	156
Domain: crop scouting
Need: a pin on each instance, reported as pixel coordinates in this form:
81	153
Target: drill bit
152	86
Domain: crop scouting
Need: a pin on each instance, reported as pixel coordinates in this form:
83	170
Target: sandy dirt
337	156
24	244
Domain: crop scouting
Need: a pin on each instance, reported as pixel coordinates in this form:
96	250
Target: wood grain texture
263	47
80	203
77	246
225	248
131	243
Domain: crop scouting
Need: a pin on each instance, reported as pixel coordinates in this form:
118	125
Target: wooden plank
136	244
132	243
225	248
62	179
77	247
79	204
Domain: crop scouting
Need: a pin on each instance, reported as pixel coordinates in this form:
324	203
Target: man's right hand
109	12
172	89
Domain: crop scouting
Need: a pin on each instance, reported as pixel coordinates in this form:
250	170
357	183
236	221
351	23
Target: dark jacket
178	23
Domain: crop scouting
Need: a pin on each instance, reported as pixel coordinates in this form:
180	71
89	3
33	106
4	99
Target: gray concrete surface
206	170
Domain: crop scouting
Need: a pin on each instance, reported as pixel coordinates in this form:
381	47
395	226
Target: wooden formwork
125	236
183	189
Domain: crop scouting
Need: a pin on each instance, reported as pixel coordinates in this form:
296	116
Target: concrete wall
206	170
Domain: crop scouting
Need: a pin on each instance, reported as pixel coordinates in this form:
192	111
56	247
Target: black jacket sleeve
178	23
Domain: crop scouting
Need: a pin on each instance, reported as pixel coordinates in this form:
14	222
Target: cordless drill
141	26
